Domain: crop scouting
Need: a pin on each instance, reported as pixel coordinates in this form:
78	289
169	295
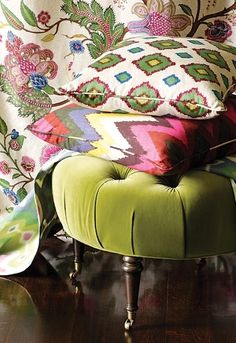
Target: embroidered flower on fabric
219	31
4	168
159	19
38	81
28	62
43	17
12	196
28	164
14	134
76	46
14	145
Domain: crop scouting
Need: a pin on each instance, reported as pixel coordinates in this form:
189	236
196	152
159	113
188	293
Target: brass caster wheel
128	324
73	276
201	264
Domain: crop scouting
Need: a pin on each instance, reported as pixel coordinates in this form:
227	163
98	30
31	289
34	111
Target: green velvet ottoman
117	209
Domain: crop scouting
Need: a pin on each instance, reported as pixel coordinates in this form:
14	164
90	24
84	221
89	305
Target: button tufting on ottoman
116	209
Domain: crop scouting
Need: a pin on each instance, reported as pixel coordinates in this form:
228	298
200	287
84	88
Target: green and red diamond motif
107	61
224	47
212	56
192	103
93	93
151	64
143	98
166	44
200	72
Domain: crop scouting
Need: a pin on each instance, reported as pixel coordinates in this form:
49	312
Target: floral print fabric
212	19
43	44
42	47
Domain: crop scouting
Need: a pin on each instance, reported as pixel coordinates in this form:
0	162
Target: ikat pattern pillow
183	77
155	145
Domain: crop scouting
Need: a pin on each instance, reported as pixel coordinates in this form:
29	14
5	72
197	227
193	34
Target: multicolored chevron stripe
156	145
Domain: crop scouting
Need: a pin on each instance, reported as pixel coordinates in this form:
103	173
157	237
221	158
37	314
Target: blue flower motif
14	134
38	81
10	36
11	195
76	46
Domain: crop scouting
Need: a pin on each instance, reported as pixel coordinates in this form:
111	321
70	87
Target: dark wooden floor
177	303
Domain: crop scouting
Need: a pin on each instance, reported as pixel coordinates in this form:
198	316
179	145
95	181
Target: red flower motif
28	164
159	18
4	168
219	31
14	145
25	59
43	17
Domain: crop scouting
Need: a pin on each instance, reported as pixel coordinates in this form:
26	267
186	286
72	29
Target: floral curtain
43	45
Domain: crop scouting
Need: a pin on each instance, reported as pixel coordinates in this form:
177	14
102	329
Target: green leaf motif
186	9
5	86
11	18
28	15
21	193
48	38
96	8
3	127
94	26
97	39
33	103
68	6
83	6
20	140
68	2
118	32
109	16
84	21
99	22
16	175
49	90
4	183
94	51
75	17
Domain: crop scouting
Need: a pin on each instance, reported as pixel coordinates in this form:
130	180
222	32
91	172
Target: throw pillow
156	145
184	77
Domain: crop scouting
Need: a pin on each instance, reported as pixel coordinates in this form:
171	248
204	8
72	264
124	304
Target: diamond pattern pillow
183	77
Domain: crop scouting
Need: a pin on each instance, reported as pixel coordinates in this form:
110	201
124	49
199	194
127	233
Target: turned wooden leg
132	267
201	264
78	259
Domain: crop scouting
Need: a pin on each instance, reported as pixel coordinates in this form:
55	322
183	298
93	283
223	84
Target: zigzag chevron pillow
155	145
183	77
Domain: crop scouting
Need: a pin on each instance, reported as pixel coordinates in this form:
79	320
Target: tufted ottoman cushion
114	208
